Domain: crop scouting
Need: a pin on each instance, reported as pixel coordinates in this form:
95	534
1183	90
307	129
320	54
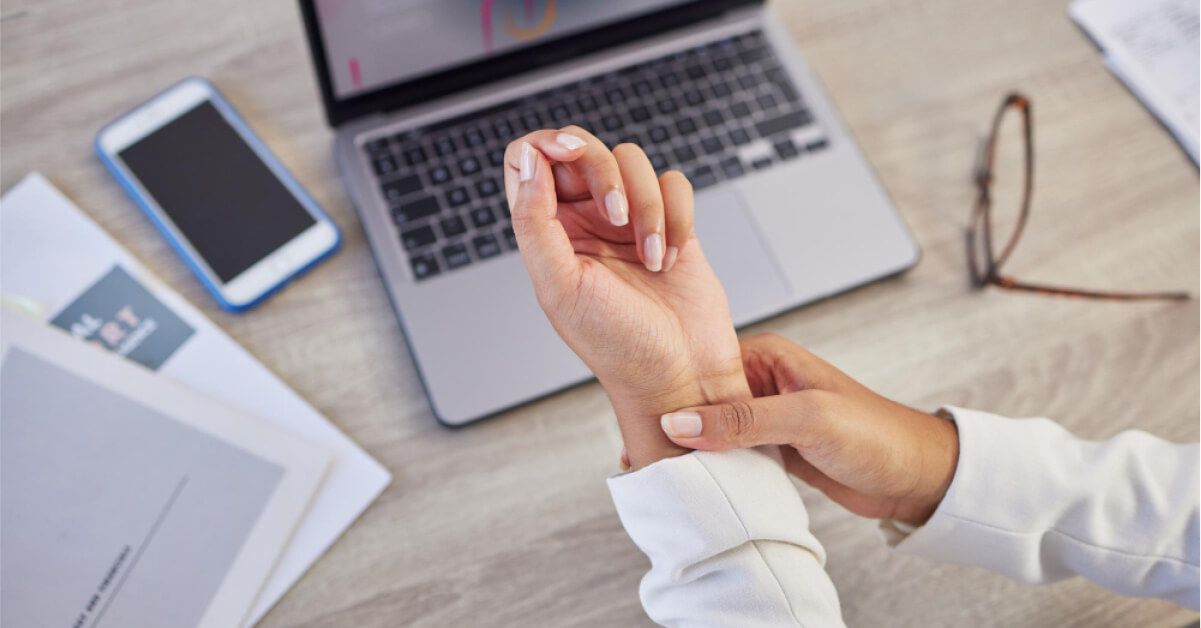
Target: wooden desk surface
509	522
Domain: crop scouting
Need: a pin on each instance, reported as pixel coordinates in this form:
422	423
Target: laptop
424	96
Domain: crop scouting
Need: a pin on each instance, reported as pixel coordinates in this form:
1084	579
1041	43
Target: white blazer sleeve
1033	502
729	543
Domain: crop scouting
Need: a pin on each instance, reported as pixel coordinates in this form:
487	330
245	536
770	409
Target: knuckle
738	419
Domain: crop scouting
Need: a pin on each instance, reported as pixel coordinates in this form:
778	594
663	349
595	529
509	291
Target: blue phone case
260	149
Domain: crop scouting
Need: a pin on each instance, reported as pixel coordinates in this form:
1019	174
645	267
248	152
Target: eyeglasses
984	264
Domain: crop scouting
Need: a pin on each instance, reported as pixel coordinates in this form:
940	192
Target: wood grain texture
509	523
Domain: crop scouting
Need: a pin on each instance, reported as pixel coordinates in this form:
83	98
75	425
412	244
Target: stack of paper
59	265
1153	47
129	500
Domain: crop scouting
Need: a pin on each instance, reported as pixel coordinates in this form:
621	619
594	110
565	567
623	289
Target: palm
675	326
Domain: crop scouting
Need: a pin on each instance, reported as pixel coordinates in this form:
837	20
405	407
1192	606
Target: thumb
773	420
545	247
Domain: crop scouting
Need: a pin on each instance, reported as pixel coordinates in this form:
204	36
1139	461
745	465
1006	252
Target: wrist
639	413
940	460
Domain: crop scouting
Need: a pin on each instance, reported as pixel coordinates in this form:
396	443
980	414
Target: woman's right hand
875	457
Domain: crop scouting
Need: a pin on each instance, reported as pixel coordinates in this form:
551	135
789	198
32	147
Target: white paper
1154	48
114	478
51	254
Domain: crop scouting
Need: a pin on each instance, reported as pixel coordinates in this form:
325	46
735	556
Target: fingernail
669	259
681	424
527	161
653	250
619	212
570	142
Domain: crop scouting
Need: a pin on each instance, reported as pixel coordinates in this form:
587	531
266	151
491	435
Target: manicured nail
619	212
681	424
570	142
652	249
669	259
527	161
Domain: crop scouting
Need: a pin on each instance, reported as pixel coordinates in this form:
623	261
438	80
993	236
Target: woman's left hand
619	272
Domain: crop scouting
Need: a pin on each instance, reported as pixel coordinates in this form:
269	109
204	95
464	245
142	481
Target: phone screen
221	196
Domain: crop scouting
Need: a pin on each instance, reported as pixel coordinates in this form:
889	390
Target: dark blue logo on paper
121	315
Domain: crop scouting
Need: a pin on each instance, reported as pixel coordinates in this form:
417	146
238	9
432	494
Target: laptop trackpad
753	282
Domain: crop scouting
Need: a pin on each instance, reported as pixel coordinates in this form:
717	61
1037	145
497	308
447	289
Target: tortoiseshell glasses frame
980	231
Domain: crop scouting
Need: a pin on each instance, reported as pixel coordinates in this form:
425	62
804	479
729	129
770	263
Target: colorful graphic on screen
370	44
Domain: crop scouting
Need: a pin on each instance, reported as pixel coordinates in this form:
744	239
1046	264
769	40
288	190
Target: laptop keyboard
714	112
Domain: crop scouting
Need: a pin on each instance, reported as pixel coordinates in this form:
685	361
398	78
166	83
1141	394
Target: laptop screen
370	44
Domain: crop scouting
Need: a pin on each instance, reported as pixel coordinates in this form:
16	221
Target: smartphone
243	224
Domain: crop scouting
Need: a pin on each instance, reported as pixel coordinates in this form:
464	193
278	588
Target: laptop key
503	130
469	166
732	167
738	137
424	266
400	188
767	101
658	135
693	98
761	163
790	120
510	238
482	217
658	162
611	123
702	178
456	256
415	155
487	187
714	117
686	126
457	196
722	89
587	103
439	175
473	137
786	149
640	114
502	208
685	154
486	246
418	237
453	226
377	146
816	145
445	146
415	210
560	115
740	109
384	165
496	158
711	145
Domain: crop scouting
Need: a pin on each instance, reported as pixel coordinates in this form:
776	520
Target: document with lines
128	500
61	267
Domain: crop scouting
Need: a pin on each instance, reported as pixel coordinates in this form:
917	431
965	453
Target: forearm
1033	502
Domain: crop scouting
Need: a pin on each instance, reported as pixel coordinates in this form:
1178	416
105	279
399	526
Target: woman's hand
617	269
874	456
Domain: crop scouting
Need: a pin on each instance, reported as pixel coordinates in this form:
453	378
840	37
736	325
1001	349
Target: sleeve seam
747	534
1071	537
